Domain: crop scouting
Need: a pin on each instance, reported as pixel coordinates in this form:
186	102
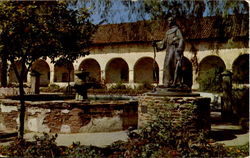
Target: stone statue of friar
173	42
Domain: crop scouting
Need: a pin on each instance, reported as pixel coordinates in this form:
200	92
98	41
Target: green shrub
210	80
127	91
118	85
145	86
16	148
165	137
78	150
44	146
52	88
120	88
238	151
240	98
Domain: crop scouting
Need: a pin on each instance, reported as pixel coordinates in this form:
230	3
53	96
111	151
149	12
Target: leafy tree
194	8
38	29
188	12
210	80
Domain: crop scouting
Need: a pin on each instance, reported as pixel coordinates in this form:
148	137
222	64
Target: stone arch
91	66
12	75
144	70
240	69
117	71
211	61
63	72
187	70
43	68
209	69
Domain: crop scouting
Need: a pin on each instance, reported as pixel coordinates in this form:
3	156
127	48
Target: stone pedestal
35	82
227	106
149	103
81	85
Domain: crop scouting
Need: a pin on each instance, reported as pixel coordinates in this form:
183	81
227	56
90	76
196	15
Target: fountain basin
71	116
42	97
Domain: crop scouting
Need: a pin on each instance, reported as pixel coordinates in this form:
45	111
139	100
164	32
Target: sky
119	13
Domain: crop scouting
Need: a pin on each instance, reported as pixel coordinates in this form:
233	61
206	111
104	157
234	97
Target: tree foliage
194	8
155	9
31	30
188	12
39	29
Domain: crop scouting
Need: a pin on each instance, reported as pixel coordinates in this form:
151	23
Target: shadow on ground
226	134
224	130
7	136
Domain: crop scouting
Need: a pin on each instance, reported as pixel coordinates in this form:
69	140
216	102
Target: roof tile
145	31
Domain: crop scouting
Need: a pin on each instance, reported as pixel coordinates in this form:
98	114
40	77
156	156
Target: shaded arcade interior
144	69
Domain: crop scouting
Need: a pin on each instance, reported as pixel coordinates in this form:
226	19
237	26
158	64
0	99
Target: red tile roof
145	31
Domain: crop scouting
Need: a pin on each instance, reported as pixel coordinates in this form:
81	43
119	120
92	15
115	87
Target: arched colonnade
128	69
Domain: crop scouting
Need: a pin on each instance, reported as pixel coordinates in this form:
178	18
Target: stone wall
149	105
70	116
9	91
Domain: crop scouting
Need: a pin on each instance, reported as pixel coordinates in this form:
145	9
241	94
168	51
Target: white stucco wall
131	53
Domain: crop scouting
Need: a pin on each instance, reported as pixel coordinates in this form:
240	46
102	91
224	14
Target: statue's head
171	21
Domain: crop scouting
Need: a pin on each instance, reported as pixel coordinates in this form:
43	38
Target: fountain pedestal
82	84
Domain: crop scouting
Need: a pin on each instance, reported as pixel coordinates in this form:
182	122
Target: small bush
118	85
17	148
210	80
238	151
52	88
240	99
165	137
44	146
78	150
16	85
145	86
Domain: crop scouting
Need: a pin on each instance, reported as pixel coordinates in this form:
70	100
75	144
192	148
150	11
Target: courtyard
79	79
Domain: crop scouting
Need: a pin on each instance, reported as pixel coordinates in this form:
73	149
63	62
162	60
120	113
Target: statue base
153	103
168	91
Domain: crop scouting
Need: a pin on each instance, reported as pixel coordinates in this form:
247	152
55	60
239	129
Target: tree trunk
21	108
21	111
4	71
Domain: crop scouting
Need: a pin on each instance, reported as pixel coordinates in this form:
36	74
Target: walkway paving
95	139
241	139
229	135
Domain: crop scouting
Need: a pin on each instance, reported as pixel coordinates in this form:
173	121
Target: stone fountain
82	83
79	115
